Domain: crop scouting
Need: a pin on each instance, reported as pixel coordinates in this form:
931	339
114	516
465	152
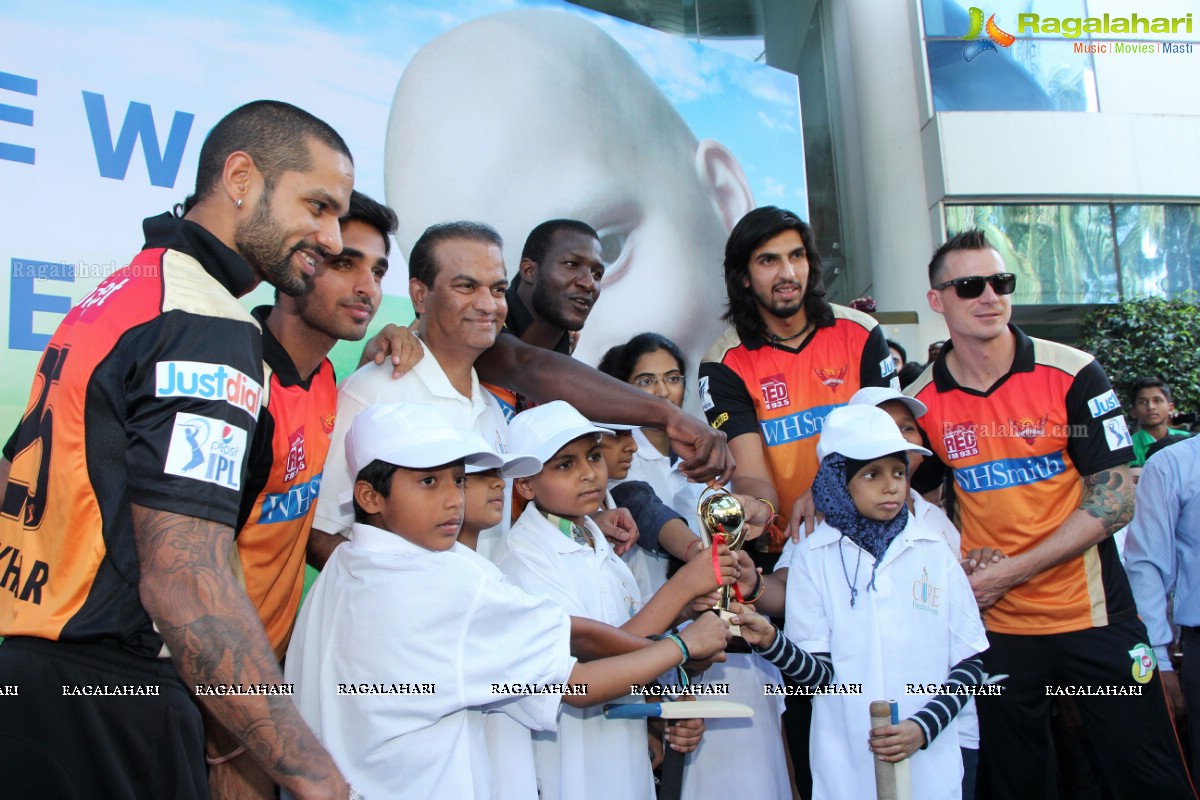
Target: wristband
771	506
687	553
674	637
759	588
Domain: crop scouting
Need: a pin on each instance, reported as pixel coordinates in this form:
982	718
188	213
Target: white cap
875	395
416	436
862	432
515	466
617	427
543	429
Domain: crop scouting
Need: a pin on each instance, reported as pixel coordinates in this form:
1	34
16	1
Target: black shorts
93	721
1127	721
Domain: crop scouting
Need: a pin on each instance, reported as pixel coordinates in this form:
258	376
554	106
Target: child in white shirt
554	550
407	633
874	599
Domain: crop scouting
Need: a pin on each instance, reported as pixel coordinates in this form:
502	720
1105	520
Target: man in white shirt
457	283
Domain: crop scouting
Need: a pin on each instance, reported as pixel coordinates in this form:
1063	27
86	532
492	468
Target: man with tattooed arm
1037	445
122	483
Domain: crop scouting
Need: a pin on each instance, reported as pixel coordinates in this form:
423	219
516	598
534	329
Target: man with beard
788	359
123	482
556	285
287	457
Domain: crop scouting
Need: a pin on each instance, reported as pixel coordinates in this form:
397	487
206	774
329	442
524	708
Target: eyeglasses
671	381
972	286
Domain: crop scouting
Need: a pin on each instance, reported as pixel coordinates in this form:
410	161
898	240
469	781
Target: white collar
552	537
645	449
826	535
377	540
430	370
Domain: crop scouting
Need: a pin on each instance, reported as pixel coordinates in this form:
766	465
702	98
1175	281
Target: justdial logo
977	44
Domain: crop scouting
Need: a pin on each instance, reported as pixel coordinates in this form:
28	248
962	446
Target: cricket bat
893	781
704	709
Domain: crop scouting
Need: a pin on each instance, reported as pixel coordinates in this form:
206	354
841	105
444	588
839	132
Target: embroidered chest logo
959	440
926	596
774	391
327	424
1028	428
831	377
296	461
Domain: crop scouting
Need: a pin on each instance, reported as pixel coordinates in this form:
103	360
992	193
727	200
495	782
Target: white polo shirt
589	756
425	383
445	626
918	621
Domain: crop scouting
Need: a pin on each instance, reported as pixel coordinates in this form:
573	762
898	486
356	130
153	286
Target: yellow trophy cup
722	520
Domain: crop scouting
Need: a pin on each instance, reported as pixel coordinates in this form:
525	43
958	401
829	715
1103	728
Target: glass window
1030	74
1072	253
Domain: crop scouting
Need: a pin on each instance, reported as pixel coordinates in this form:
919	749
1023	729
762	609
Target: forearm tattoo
215	637
1108	496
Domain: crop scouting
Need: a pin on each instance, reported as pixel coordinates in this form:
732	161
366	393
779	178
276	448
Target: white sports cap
862	432
543	429
416	436
515	466
874	395
617	427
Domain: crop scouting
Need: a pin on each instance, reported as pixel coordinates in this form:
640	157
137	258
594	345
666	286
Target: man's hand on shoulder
398	342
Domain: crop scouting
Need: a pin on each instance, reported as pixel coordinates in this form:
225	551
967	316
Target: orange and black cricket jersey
148	393
1018	453
283	480
783	394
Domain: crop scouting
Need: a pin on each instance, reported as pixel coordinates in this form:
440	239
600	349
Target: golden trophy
722	520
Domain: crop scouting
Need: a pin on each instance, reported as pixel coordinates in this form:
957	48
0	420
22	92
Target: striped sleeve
807	669
938	712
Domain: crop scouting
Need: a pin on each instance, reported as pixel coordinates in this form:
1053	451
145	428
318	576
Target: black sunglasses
971	287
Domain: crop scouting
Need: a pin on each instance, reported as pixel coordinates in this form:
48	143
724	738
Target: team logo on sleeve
208	382
1116	432
886	367
327	422
206	449
296	461
960	441
1028	428
832	377
1101	404
706	401
774	392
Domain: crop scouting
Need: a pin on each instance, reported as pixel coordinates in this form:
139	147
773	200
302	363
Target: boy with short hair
406	632
1153	408
874	599
554	550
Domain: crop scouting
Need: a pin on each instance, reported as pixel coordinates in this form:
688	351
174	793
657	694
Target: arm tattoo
215	637
1108	496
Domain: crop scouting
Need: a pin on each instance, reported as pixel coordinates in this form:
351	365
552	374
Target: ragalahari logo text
977	44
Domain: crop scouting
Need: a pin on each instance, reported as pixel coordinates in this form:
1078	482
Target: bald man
513	101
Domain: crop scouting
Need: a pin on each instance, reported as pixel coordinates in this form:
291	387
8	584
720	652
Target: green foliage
1151	336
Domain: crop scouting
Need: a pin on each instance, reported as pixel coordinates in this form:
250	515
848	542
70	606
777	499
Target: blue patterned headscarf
832	498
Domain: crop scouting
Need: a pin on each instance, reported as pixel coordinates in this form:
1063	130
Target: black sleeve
648	510
726	401
935	715
194	388
805	668
1098	435
877	367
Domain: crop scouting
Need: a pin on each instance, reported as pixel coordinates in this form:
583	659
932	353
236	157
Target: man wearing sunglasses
1035	439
